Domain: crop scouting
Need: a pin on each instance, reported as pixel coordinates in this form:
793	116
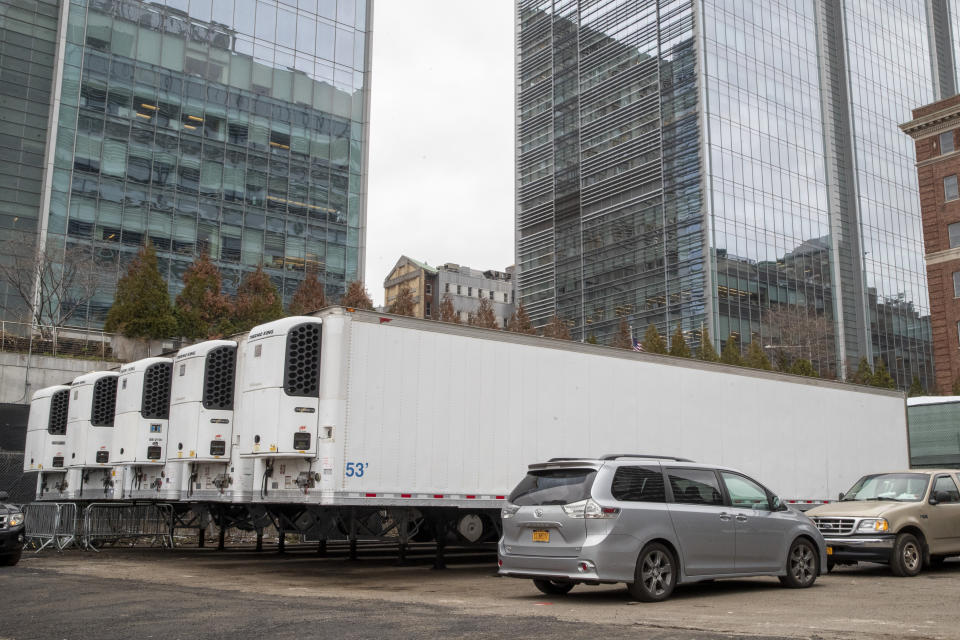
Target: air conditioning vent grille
59	403
218	378
104	402
302	371
156	391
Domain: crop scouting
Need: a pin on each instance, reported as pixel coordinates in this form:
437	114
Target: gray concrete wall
21	375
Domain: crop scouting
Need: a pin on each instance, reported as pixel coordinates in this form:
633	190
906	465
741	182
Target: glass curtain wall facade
28	47
231	127
740	168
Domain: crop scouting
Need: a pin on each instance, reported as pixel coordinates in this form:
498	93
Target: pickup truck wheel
803	565
655	575
10	559
553	587
907	557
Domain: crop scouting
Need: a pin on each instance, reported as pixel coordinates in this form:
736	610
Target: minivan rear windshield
553	486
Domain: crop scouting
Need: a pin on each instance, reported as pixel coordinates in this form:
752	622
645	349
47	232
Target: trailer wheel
470	527
906	560
553	587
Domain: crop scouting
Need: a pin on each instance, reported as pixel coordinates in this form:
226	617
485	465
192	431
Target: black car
11	532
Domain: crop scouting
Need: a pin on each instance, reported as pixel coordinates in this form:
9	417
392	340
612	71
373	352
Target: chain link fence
21	486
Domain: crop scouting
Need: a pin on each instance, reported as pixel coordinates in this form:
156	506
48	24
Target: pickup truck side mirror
840	497
939	496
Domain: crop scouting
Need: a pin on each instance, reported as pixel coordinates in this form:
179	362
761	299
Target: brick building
935	129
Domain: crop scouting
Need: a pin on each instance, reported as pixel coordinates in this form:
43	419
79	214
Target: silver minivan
651	522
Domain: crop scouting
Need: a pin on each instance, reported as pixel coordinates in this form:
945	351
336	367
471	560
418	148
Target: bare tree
447	312
52	284
404	304
484	316
520	322
356	297
557	328
622	339
801	333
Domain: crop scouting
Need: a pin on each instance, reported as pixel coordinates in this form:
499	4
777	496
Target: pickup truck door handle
741	517
724	516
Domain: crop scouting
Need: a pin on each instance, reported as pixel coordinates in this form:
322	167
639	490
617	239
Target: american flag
637	346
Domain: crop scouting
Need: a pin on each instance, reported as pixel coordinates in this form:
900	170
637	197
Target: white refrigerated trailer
424	415
353	423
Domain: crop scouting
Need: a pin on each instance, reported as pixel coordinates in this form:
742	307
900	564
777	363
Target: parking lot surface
203	593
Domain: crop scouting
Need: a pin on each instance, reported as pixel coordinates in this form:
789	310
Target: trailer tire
553	587
906	559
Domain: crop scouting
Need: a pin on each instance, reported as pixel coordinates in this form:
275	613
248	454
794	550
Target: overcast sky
441	136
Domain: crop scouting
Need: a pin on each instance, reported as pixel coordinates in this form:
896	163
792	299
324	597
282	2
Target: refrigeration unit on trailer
46	447
279	383
90	418
140	430
202	439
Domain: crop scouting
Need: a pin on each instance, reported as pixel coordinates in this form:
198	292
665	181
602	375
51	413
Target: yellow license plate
541	535
829	551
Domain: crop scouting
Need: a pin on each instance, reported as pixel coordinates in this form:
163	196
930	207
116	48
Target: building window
505	323
446	287
491	295
954	231
459	290
504	297
428	289
950	191
946	142
469	292
426	311
956	284
479	293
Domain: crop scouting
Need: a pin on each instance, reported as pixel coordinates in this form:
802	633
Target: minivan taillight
508	511
589	509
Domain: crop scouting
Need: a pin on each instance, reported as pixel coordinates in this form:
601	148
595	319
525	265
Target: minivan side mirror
776	504
840	497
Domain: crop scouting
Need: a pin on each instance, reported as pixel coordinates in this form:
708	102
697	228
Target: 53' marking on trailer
355	469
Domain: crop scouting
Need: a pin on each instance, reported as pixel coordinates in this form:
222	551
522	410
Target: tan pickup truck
908	520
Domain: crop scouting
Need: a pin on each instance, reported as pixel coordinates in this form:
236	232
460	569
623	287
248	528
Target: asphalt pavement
203	593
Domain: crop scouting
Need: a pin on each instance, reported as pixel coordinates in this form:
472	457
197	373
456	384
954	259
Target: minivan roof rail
565	459
614	456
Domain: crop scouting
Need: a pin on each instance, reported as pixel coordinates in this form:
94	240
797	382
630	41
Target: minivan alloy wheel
802	564
655	576
656	572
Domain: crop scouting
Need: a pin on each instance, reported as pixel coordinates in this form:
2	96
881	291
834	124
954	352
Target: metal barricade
50	523
112	523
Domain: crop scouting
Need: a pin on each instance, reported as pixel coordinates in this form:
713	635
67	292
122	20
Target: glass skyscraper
232	127
733	165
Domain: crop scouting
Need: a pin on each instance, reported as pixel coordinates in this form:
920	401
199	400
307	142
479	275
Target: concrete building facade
464	286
